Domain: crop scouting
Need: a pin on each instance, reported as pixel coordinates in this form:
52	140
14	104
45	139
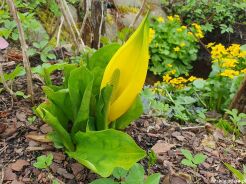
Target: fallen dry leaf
21	116
162	147
208	141
178	136
19	164
39	138
8	174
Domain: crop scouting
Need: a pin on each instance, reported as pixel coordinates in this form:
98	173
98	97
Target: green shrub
211	14
174	46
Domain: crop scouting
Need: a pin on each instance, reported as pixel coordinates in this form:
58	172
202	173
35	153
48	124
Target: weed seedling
192	161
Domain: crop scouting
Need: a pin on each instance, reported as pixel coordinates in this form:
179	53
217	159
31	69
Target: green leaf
236	172
103	151
199	158
102	56
188	163
51	120
103	108
199	83
61	101
153	179
119	173
84	110
187	154
77	84
136	175
133	113
43	162
104	181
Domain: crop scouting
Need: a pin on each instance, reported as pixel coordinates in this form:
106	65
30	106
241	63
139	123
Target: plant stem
26	62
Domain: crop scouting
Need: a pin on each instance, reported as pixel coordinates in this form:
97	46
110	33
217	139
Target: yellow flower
242	54
234	50
210	44
192	78
229	73
177	17
170	18
151	34
129	65
176	49
184	27
166	78
229	63
182	44
243	71
169	65
172	72
218	51
190	33
160	19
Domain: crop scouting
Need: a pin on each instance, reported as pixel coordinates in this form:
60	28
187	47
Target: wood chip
19	164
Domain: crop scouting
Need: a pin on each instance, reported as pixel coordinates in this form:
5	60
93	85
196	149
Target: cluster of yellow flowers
227	58
173	18
178	82
198	33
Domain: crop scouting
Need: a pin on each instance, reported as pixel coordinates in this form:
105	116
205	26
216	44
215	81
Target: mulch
21	143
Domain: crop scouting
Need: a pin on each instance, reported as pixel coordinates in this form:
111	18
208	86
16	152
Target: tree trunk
239	100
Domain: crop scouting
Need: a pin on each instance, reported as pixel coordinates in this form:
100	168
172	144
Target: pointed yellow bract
132	62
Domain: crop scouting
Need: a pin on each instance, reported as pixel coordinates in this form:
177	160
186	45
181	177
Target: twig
23	47
5	85
3	2
1	181
100	27
87	7
64	13
59	32
74	25
138	14
192	128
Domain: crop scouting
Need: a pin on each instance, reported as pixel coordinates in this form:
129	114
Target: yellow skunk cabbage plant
95	102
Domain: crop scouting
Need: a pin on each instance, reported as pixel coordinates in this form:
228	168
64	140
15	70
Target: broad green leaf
51	120
187	154
236	172
77	83
119	173
199	158
153	179
188	163
84	110
67	71
43	161
104	181
61	99
103	151
102	56
199	83
135	175
103	108
133	113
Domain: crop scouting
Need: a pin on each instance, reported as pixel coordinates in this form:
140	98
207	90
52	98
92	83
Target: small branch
138	14
5	85
74	25
59	32
66	17
193	128
2	5
87	7
100	27
26	63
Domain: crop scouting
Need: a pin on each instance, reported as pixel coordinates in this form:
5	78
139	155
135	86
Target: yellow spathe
132	62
